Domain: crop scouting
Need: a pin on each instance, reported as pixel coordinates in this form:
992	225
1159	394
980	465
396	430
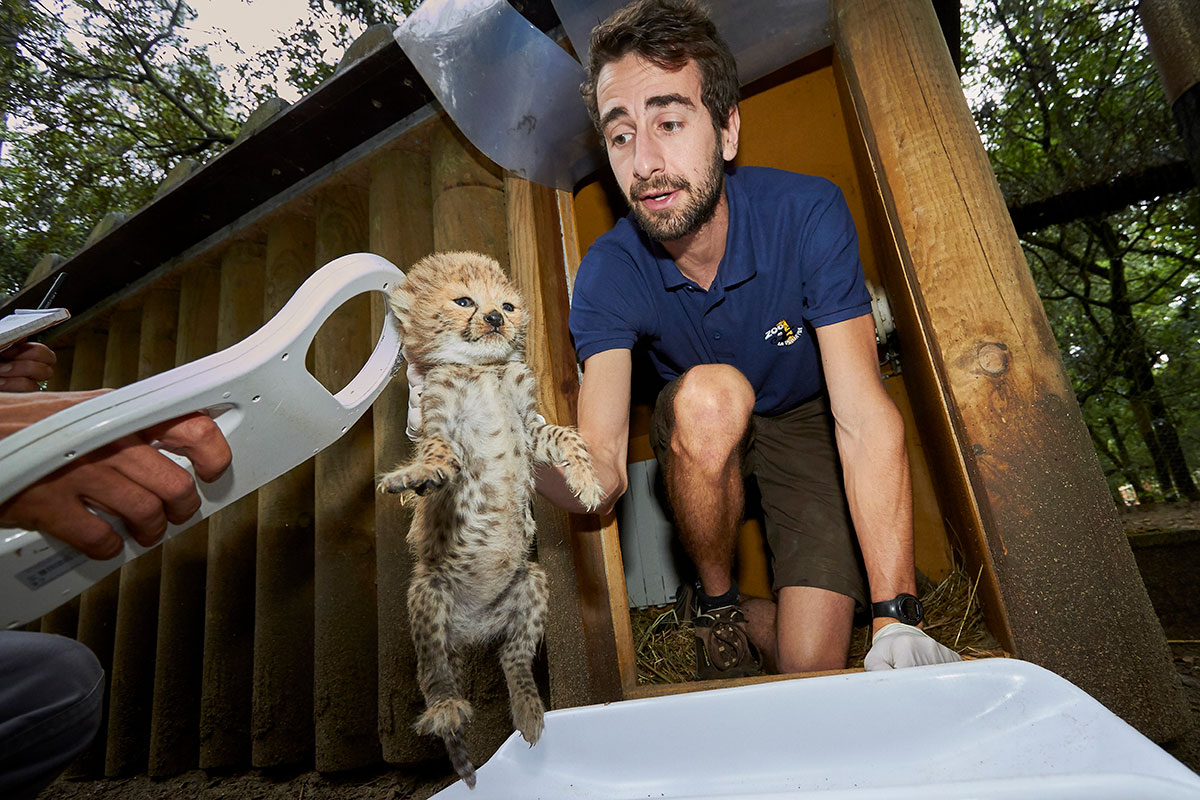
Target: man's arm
604	424
870	439
128	478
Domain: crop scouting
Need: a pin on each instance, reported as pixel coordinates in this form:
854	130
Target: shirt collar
731	271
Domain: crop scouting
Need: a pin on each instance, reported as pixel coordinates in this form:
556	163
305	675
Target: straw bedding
952	616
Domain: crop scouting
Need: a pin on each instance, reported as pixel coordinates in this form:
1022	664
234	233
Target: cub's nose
494	319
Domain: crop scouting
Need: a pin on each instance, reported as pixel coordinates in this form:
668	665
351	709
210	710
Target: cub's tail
456	748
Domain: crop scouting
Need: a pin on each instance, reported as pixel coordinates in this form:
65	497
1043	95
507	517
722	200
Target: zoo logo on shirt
782	334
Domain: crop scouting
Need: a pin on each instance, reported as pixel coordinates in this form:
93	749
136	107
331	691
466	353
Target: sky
255	24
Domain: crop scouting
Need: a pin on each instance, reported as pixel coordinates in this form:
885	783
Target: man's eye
509	307
465	302
621	138
671	126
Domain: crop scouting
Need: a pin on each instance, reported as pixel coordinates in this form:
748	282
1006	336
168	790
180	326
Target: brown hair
668	34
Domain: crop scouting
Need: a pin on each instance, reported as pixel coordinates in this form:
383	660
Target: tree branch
1102	198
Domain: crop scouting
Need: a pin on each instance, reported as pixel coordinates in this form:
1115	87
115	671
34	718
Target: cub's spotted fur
463	323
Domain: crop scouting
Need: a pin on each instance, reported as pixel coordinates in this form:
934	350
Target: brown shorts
793	457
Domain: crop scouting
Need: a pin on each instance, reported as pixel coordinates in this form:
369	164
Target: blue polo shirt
790	266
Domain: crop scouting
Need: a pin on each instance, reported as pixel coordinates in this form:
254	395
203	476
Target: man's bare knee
712	410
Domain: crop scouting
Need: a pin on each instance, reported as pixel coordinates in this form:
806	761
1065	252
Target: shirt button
717	335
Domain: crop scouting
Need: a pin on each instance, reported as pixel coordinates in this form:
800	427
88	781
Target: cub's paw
591	494
529	717
421	477
445	718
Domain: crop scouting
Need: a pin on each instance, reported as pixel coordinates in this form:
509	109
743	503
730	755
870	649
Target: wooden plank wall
275	633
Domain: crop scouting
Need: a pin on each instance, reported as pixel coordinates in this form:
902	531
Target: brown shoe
722	648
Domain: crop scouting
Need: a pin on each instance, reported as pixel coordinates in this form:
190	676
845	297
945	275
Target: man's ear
729	134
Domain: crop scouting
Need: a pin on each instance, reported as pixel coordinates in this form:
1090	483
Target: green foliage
99	99
1066	97
105	97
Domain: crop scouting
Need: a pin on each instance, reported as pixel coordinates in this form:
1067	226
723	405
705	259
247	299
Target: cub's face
459	308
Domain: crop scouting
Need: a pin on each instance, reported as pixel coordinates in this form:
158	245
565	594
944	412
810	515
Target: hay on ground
665	650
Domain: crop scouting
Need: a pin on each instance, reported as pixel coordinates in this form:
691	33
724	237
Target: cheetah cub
463	324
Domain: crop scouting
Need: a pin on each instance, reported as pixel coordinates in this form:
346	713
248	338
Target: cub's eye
509	307
465	302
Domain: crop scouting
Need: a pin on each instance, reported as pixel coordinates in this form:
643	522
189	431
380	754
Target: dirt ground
407	784
375	784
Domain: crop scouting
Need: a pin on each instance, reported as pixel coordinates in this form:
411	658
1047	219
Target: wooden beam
596	549
281	725
137	603
1173	31
401	209
345	699
537	257
1064	571
175	717
232	531
98	605
469	214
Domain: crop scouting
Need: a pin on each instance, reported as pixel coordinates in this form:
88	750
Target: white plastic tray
997	728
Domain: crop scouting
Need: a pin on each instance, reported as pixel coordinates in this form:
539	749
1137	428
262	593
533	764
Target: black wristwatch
904	607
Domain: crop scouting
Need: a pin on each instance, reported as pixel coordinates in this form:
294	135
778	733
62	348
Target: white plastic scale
272	411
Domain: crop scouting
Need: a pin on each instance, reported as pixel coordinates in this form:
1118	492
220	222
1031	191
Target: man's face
663	149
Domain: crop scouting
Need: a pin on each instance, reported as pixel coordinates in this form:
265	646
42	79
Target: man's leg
51	690
808	631
699	431
818	574
711	415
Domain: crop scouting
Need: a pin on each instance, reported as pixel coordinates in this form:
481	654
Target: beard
678	221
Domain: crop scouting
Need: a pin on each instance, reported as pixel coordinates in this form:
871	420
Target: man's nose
647	157
494	318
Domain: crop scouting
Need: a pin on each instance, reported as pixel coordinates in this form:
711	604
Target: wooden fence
275	632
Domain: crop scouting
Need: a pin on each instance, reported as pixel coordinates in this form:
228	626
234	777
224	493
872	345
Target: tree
101	98
1068	102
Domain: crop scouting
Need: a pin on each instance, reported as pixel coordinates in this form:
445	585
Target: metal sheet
510	89
764	35
515	93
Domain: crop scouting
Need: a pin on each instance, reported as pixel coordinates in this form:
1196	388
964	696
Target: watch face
910	609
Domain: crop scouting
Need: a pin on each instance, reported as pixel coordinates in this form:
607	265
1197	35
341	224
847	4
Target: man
727	277
52	688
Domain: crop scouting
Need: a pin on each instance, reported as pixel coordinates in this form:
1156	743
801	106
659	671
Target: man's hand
898	645
416	385
23	365
128	478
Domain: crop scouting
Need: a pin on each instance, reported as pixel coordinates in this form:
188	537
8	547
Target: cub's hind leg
522	613
446	711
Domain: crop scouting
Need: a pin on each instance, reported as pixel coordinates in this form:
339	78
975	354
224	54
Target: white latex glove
416	385
898	645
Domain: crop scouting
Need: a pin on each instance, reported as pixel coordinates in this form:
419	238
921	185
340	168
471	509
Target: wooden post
996	394
137	604
1173	30
536	255
402	232
596	547
63	620
232	531
468	197
175	717
98	605
282	727
345	657
469	214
